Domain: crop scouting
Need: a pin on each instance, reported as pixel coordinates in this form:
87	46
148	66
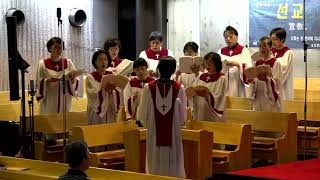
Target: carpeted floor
309	170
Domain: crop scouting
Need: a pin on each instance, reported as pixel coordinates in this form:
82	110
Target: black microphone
58	13
32	88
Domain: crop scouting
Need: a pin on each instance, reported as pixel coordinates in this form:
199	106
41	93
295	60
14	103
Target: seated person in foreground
77	156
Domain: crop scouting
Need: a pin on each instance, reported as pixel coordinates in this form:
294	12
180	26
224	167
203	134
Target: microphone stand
64	110
32	93
305	48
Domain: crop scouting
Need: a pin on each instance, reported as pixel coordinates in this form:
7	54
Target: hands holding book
111	81
198	90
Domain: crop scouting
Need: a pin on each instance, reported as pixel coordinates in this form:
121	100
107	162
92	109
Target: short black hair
111	42
75	153
52	41
167	66
194	46
231	29
96	55
155	35
280	33
140	62
216	59
266	38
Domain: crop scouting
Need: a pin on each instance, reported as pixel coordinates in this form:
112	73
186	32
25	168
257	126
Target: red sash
55	66
164	123
156	55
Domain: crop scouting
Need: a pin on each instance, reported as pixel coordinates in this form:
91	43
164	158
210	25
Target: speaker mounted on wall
18	13
77	17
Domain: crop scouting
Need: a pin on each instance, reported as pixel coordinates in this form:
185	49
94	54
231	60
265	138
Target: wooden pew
11	110
313	120
41	170
231	134
50	124
104	134
279	149
197	149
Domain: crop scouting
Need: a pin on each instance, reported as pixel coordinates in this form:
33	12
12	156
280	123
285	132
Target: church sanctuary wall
204	21
41	24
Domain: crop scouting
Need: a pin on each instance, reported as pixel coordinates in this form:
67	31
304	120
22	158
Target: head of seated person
77	157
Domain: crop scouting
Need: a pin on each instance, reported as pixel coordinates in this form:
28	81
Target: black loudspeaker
9	138
12	56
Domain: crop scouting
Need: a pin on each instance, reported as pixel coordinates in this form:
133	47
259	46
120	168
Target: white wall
41	25
204	21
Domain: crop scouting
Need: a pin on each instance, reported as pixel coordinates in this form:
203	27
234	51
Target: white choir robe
163	160
132	95
50	94
187	79
235	76
266	96
276	73
102	105
285	57
213	107
153	58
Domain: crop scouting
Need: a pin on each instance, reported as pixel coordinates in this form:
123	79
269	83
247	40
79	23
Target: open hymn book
186	62
253	72
194	90
125	68
116	79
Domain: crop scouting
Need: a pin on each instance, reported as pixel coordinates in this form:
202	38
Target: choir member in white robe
132	92
210	105
267	58
49	80
187	79
103	104
155	51
285	56
238	59
112	47
162	110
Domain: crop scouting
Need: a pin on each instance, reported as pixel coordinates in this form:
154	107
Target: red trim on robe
137	83
275	94
129	107
279	53
210	78
244	77
116	62
58	99
97	76
41	90
100	102
235	50
77	84
211	103
164	123
269	62
55	66
118	100
152	55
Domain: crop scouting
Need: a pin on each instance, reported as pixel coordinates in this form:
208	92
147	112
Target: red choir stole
156	55
269	62
98	78
279	53
137	83
116	62
164	122
55	66
233	51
